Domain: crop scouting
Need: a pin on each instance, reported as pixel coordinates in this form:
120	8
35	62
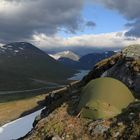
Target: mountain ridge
66	54
86	62
21	60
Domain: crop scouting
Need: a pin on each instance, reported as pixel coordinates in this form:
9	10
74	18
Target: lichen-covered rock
132	51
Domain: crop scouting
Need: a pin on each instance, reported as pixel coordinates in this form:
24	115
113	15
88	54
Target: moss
54	127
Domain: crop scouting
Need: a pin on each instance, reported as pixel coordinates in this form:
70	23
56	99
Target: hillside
22	65
60	119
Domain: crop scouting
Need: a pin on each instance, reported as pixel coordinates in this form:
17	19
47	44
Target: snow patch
16	51
21	48
3	47
56	57
9	46
18	128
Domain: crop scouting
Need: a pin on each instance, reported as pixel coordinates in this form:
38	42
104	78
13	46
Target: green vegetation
12	110
55	127
18	96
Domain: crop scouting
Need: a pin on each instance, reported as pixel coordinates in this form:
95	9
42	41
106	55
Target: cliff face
61	121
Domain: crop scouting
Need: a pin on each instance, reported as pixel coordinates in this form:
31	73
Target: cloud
130	9
90	24
134	29
1	44
107	40
20	19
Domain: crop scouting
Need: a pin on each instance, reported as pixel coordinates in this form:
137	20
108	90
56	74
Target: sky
52	24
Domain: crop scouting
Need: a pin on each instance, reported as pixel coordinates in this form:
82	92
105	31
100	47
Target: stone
56	138
116	134
132	51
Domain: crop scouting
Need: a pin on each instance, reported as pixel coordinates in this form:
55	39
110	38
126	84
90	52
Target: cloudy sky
70	23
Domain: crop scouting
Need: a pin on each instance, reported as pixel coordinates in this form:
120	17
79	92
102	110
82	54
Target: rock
132	52
131	116
56	138
137	84
101	67
122	68
120	124
116	134
100	129
37	119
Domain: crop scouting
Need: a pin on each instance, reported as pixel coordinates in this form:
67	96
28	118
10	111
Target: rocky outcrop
125	126
101	67
61	121
122	66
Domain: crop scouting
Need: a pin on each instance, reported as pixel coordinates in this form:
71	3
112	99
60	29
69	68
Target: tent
104	98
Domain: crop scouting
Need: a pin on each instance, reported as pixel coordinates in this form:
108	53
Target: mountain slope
22	62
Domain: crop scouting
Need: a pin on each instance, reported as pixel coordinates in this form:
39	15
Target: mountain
65	54
81	51
86	62
60	119
22	64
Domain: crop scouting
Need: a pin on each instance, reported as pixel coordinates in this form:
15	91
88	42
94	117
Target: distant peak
16	48
66	54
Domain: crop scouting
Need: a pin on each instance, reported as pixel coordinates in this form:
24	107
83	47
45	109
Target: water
79	75
18	128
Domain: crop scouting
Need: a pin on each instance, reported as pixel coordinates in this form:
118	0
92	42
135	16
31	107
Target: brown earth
12	110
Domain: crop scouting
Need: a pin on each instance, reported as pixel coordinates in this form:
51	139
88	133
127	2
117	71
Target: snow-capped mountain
86	62
65	54
19	48
20	62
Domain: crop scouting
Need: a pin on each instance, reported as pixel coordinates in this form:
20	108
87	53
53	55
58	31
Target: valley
12	110
69	70
22	62
15	104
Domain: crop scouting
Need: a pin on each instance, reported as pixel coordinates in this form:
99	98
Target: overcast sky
62	23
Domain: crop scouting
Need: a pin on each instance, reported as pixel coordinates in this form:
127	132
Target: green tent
104	98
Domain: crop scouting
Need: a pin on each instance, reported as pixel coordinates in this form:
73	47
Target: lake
78	76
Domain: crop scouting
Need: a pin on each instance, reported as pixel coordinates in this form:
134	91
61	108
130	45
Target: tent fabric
104	98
